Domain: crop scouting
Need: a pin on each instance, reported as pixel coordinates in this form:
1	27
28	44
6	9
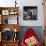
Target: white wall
37	3
22	3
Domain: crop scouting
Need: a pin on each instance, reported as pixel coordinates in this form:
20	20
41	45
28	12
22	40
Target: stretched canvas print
30	13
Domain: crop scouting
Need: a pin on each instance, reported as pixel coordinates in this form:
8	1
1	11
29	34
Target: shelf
11	41
10	26
9	23
9	11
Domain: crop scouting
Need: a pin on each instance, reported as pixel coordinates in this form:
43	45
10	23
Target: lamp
15	3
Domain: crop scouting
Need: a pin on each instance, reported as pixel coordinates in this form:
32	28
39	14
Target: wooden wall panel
44	7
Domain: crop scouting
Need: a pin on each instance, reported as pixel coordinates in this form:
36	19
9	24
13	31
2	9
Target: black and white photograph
29	13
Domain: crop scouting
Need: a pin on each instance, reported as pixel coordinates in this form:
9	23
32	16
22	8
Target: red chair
29	33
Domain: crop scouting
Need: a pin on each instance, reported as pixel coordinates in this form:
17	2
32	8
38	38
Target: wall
22	3
37	3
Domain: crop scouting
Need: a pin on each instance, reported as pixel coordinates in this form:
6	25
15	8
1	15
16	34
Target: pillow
31	41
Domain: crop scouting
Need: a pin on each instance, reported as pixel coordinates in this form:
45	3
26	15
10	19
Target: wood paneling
44	6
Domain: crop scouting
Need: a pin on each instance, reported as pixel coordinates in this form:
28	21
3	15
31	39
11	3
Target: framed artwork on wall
29	12
5	12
